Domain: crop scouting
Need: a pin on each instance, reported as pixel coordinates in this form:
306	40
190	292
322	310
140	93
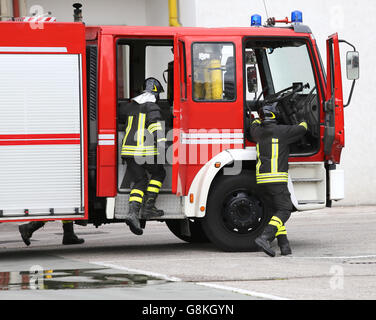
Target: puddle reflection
39	279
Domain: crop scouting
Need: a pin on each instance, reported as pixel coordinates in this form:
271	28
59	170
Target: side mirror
252	79
352	65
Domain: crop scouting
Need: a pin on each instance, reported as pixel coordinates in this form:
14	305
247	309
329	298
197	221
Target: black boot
284	245
131	218
27	230
264	240
149	210
69	236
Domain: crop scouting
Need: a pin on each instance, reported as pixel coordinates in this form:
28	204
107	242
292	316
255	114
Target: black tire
197	234
234	216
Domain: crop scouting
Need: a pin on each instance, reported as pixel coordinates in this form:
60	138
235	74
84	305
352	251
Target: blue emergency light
296	16
256	20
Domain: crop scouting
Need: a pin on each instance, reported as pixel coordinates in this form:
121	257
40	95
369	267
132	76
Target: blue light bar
256	20
296	16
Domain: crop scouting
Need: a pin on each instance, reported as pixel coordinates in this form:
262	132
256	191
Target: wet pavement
334	257
39	279
38	275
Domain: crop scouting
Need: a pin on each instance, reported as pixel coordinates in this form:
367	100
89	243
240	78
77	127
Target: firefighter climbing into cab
273	139
144	140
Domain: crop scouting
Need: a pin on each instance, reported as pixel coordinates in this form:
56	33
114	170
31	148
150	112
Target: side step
309	181
169	203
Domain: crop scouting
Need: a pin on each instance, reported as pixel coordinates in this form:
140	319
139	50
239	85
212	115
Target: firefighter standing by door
273	141
144	140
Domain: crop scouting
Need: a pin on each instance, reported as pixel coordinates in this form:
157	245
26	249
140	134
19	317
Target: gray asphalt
334	258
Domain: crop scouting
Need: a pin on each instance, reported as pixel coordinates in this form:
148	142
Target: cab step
169	203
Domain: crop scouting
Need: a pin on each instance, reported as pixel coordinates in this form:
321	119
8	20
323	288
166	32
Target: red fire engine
62	83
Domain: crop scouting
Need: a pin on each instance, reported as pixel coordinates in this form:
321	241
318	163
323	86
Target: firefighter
273	140
144	140
69	237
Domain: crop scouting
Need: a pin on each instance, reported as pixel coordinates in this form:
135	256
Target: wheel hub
242	213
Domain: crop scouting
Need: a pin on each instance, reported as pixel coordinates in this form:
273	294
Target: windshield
289	65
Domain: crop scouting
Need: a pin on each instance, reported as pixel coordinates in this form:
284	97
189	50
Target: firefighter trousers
141	182
277	198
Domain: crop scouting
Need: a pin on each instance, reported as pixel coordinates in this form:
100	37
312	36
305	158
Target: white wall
96	12
354	21
118	12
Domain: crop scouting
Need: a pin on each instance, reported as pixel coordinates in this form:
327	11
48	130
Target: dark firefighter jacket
143	128
273	149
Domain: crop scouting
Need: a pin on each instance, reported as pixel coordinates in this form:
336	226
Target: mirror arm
344	41
350	95
353	84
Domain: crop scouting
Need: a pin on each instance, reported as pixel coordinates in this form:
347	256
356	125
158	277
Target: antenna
266	10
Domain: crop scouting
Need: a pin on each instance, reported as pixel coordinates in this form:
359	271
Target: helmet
269	113
153	86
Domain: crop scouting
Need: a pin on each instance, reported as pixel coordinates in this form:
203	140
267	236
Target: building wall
117	12
352	20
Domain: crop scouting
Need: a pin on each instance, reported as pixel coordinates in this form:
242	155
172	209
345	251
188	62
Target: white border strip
223	135
212	141
138	271
338	257
33	49
204	284
106	136
106	142
242	291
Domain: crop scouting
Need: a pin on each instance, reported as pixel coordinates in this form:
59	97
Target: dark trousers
276	197
141	182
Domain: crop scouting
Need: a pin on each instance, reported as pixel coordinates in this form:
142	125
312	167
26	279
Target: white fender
200	186
204	178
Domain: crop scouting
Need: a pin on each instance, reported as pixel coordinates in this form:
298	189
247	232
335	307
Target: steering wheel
283	94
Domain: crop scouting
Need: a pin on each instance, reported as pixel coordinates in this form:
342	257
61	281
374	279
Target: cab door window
282	72
289	65
213	71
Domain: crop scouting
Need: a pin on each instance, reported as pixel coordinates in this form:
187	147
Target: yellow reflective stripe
140	192
152	189
304	124
274	159
271	181
139	148
137	199
274	174
161	139
272	177
275	218
156	182
135	153
129	126
273	223
155	126
265	179
259	160
152	130
140	129
256	121
281	232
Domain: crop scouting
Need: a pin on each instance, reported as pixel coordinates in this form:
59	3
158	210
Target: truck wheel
234	216
197	234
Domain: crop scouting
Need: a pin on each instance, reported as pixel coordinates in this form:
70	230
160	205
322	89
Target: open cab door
334	135
180	100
